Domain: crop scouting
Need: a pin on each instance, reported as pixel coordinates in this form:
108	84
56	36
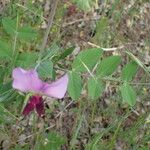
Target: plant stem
50	22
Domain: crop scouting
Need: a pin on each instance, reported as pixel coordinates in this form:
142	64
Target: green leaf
65	53
84	4
5	117
147	70
129	71
86	60
27	33
5	50
101	27
128	94
95	88
9	25
45	69
27	59
6	92
55	141
108	65
50	52
75	85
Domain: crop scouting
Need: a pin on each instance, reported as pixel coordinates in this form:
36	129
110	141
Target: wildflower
35	102
28	81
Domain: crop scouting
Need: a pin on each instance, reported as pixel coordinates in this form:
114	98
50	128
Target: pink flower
28	81
35	102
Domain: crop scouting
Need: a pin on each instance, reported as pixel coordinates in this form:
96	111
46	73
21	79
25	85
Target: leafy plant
75	85
128	94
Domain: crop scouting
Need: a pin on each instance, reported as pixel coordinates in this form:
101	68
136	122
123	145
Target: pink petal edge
56	89
26	80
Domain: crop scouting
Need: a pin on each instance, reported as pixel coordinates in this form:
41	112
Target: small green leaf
84	4
45	69
50	52
9	25
108	65
55	141
27	59
129	71
5	50
75	85
147	70
66	53
128	94
27	33
101	28
95	88
86	60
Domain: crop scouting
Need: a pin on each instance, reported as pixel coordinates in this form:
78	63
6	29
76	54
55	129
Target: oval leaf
27	33
128	94
84	4
5	50
129	71
75	85
108	65
9	25
86	60
95	88
27	59
45	69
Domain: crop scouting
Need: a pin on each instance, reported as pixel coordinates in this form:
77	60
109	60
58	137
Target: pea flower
28	81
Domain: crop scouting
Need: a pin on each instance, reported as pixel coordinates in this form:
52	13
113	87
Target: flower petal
34	101
56	89
40	108
29	107
26	80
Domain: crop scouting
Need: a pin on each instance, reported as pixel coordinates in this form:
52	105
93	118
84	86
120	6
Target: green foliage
101	28
128	94
139	62
6	92
26	147
75	85
65	53
11	27
88	70
27	59
85	5
5	50
53	141
95	88
5	117
129	71
45	69
94	143
86	60
27	33
108	65
50	52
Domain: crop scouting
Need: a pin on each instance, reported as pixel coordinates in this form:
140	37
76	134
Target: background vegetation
104	47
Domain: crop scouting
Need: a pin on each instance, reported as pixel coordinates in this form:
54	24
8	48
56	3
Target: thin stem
50	22
15	43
